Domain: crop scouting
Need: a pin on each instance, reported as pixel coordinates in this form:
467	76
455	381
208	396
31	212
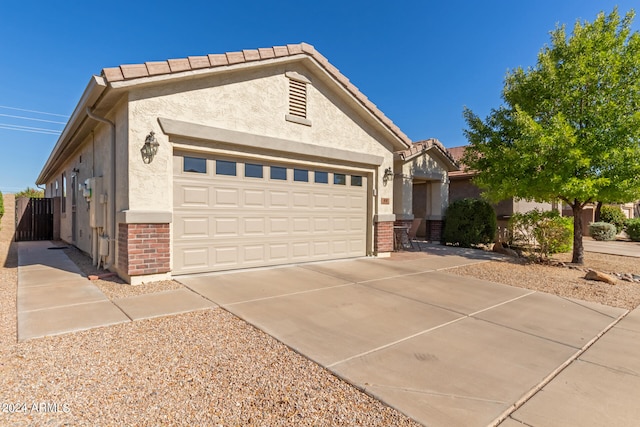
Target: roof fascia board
91	94
261	142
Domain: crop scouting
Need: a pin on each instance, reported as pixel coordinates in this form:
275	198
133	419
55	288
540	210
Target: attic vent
297	98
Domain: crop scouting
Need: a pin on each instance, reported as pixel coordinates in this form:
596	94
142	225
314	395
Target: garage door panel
301	199
254	226
254	198
225	227
278	199
278	225
193	227
227	197
227	222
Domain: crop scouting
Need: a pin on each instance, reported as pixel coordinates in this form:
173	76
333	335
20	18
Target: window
321	177
64	192
195	164
252	170
297	98
301	175
224	167
356	181
57	192
278	172
339	179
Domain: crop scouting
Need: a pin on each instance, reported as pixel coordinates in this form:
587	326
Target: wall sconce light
75	172
388	174
150	148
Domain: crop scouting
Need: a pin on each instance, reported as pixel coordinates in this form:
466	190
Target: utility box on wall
93	193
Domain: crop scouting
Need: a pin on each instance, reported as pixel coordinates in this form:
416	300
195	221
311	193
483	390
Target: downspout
111	197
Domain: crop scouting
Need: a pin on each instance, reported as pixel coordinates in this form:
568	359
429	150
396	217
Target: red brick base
434	230
383	236
144	248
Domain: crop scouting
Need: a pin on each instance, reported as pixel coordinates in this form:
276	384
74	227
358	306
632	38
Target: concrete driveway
443	349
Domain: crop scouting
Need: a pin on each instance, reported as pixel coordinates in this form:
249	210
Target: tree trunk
578	249
596	218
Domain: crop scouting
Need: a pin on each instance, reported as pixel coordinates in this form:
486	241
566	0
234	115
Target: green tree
569	127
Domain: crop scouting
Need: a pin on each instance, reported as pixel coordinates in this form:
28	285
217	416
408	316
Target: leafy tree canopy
569	127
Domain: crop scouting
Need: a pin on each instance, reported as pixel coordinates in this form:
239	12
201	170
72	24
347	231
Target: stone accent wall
144	248
383	236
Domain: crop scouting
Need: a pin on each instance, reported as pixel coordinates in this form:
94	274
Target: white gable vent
297	98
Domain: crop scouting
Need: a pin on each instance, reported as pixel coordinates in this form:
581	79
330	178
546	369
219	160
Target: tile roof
171	66
458	154
424	145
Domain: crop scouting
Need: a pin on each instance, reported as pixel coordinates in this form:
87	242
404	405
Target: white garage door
233	213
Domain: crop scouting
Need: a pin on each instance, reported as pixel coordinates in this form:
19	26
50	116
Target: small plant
32	193
613	215
602	231
469	222
632	227
541	233
1	205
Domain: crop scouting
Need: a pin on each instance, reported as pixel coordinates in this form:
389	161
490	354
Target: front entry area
235	212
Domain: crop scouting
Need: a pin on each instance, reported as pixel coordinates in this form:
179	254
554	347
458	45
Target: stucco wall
92	159
252	101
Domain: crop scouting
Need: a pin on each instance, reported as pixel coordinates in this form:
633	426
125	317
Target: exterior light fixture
388	174
150	148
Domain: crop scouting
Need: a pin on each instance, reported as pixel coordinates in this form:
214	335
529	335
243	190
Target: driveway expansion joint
533	391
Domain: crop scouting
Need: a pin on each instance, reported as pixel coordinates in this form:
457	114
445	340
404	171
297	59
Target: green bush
32	193
632	227
1	205
469	222
541	233
602	231
613	215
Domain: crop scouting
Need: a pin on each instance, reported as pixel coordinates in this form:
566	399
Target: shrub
1	205
602	231
632	227
613	215
469	222
542	233
31	193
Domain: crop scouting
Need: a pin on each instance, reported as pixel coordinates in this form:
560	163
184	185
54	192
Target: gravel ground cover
209	367
565	282
206	368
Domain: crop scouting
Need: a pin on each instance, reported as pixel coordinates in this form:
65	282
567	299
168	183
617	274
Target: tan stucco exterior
241	111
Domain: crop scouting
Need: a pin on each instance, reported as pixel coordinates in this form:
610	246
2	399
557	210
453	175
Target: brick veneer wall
435	230
383	236
144	248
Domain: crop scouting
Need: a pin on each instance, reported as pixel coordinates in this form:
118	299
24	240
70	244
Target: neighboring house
244	159
461	187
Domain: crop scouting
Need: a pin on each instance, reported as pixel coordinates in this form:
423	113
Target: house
461	187
243	159
421	187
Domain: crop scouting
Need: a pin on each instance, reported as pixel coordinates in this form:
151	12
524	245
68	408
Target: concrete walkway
445	350
54	297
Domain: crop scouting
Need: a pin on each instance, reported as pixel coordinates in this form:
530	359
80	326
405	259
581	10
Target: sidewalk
616	247
54	297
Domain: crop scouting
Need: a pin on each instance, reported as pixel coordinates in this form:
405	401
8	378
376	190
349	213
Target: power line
33	111
30	118
29	129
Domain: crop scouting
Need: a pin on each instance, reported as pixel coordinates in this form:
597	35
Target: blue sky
420	62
